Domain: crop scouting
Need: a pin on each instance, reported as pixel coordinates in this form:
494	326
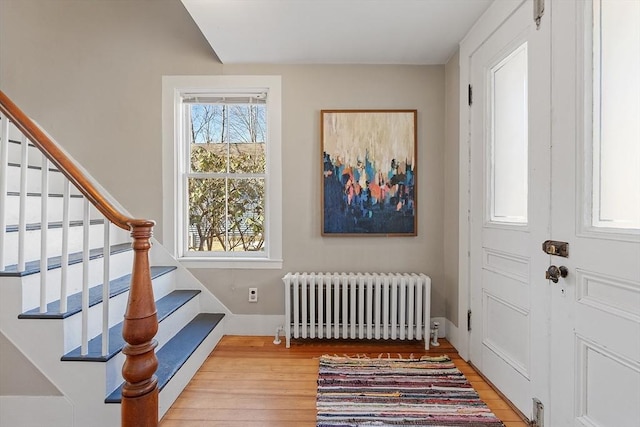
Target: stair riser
120	264
34	177
54	241
33	208
166	330
117	306
34	157
178	383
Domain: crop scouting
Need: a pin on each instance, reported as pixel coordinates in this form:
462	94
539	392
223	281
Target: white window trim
172	89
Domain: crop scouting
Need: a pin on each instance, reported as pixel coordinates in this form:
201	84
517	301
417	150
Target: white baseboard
264	324
35	411
457	338
252	324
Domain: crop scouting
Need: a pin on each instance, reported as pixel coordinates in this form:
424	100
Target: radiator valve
434	334
276	340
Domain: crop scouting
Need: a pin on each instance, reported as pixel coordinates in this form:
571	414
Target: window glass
616	113
509	139
227	163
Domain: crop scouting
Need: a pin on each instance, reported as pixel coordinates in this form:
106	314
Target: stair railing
140	391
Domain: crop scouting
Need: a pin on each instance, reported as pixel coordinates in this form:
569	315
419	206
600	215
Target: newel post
140	390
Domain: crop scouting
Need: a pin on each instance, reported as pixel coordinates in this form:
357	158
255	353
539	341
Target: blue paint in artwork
377	208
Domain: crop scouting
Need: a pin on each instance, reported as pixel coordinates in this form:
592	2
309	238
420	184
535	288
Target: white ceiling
335	31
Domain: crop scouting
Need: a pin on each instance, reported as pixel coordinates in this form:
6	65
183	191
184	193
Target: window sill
232	263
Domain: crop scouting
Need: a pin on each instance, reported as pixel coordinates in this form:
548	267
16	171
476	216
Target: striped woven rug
429	391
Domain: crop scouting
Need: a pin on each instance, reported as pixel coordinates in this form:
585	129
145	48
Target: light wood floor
250	382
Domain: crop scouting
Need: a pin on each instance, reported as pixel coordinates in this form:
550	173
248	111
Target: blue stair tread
165	306
177	350
33	267
74	302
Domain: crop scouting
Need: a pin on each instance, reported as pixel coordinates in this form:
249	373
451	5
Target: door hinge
538	11
470	97
537	419
468	320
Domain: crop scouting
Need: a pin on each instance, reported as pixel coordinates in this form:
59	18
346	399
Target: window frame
174	88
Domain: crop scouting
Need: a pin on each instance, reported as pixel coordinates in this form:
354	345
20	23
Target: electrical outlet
253	294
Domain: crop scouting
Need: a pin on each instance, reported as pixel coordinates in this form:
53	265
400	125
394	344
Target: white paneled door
555	156
595	316
510	183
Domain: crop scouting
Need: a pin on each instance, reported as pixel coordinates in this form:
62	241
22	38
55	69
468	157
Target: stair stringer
82	384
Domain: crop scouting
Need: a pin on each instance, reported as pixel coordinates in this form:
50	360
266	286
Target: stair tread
165	306
33	267
74	302
177	350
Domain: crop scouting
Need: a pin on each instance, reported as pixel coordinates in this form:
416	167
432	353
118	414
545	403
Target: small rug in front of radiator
429	391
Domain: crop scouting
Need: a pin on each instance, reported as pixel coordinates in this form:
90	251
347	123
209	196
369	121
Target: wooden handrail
140	391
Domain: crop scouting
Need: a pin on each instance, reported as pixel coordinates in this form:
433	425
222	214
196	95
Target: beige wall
451	182
90	72
18	376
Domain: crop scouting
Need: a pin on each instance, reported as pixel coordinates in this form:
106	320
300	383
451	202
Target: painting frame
369	172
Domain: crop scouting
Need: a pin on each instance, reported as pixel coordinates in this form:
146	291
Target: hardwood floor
250	382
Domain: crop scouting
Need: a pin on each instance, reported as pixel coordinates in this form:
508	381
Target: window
222	170
508	161
615	191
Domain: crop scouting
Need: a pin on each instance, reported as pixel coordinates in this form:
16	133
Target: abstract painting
368	172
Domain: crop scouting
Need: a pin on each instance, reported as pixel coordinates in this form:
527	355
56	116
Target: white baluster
105	287
4	159
64	256
44	232
85	280
22	220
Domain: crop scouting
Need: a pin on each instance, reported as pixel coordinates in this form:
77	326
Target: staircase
80	301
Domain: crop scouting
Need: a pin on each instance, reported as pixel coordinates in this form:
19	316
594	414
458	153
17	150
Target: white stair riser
54	242
166	330
14	133
178	383
117	306
120	264
34	156
33	207
34	178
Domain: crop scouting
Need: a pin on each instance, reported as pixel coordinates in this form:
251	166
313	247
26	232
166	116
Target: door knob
554	273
